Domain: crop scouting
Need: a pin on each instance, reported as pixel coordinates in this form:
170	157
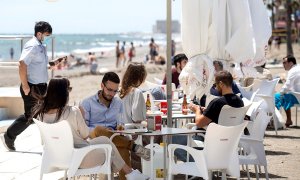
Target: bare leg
288	118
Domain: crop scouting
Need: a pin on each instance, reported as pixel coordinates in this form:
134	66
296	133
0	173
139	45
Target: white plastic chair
231	116
296	93
219	153
158	81
266	92
253	146
248	91
59	152
147	85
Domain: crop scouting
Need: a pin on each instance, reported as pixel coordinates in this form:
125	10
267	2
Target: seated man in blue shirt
103	113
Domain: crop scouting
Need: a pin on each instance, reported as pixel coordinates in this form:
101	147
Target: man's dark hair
178	58
42	27
291	58
111	76
219	63
225	77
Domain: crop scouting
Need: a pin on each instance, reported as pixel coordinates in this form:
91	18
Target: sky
84	16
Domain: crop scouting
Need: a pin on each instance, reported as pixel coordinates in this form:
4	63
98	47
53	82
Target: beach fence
11	103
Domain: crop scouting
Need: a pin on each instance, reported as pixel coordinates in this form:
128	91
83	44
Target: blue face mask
46	40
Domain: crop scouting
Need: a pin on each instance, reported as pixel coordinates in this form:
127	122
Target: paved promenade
283	156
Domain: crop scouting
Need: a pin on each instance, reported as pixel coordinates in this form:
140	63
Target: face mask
46	40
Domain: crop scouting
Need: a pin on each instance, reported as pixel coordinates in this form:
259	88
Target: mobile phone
51	63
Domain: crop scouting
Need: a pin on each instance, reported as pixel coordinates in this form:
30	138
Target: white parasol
235	31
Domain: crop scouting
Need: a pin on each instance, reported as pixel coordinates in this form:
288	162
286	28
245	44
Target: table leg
151	157
165	155
189	140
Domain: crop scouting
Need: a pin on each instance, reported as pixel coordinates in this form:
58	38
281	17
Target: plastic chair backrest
267	87
231	116
297	84
221	144
256	84
259	125
209	98
149	85
253	109
58	143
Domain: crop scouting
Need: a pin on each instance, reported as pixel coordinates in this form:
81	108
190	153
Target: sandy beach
283	151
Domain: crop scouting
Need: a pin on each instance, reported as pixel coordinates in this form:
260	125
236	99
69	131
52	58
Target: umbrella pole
169	63
169	79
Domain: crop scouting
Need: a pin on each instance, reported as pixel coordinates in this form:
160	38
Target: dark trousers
21	123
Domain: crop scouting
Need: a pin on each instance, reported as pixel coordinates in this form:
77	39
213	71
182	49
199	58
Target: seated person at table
218	65
132	97
223	81
103	112
283	98
134	102
180	61
53	108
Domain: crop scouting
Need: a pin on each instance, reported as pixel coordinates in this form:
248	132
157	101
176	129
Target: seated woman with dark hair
53	108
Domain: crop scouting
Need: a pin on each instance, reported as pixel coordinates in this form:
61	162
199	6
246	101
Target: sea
65	44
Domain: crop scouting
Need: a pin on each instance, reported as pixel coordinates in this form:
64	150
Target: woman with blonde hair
133	99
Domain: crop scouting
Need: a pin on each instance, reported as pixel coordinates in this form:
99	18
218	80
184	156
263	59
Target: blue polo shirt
97	114
34	55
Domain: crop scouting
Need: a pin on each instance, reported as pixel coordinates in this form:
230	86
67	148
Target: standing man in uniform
33	72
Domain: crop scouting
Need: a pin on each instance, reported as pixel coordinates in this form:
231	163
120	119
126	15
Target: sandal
288	124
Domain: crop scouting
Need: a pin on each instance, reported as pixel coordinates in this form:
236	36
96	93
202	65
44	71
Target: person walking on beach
153	50
131	52
33	72
118	54
93	63
173	48
123	51
11	52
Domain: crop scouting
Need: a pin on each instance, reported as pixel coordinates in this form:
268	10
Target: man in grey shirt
33	72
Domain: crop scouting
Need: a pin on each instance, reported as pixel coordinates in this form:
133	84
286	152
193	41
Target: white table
165	131
179	116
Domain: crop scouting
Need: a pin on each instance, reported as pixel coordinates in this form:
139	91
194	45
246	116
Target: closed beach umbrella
234	31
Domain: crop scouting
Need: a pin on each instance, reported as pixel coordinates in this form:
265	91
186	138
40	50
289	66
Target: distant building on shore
160	26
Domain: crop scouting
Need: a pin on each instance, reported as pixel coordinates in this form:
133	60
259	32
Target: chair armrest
198	156
80	153
190	125
134	126
249	139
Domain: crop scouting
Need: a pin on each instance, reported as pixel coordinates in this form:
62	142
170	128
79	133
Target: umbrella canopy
235	31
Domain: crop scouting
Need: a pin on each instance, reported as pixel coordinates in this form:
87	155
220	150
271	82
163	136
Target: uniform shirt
34	55
134	107
292	76
79	128
97	114
214	107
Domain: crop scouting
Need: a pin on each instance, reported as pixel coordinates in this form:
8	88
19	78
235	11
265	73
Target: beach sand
283	151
